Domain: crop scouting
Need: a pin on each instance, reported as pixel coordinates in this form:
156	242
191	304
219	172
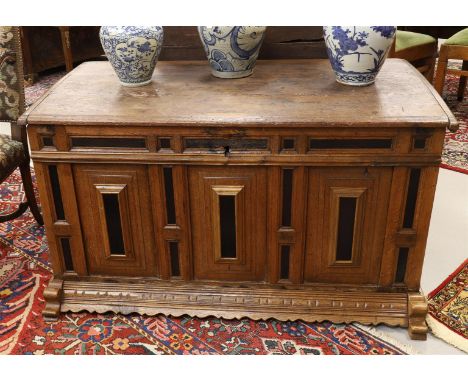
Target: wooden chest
282	195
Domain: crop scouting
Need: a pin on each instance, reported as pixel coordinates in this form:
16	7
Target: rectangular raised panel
228	222
116	220
169	195
56	192
411	197
108	142
354	143
346	224
220	144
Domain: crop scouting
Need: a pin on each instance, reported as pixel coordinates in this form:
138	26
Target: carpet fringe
445	334
391	340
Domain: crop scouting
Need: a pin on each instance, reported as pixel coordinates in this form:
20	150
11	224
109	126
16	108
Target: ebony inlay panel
66	254
411	197
164	143
169	193
219	144
331	144
227	222
114	223
56	192
419	143
48	141
287	197
401	265
284	262
174	255
106	142
346	221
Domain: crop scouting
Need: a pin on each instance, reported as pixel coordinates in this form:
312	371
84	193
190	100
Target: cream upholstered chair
455	48
14	151
417	48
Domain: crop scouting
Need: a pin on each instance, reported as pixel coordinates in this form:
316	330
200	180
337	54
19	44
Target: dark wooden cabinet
282	195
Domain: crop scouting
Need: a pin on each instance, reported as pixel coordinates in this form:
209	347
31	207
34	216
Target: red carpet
448	308
25	271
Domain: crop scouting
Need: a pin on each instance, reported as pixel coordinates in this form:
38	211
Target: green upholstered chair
455	48
417	48
14	151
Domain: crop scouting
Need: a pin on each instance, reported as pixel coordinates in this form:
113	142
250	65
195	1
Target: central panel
228	211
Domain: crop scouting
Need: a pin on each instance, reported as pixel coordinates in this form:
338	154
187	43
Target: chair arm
7	55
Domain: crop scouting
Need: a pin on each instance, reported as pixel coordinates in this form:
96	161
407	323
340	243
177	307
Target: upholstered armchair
14	151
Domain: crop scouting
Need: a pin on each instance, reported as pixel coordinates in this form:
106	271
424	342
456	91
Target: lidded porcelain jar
232	51
357	53
133	51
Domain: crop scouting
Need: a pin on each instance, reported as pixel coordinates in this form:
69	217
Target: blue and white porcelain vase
357	53
232	51
132	51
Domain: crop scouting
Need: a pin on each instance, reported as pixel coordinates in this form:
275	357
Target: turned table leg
53	297
417	311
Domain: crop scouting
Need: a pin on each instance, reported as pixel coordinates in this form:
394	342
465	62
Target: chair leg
462	84
29	191
441	70
430	73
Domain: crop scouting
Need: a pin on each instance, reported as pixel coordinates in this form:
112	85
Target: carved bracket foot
53	297
417	311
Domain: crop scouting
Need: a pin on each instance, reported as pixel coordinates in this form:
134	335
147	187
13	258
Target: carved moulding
339	306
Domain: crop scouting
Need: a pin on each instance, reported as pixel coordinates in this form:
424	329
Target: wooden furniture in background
183	43
52	47
417	48
284	194
455	48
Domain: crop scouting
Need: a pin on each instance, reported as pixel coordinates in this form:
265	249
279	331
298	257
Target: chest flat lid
287	93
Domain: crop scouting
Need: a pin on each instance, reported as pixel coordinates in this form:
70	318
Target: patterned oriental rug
448	309
455	154
25	272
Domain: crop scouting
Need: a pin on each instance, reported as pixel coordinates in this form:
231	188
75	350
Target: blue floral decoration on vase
132	51
232	51
357	53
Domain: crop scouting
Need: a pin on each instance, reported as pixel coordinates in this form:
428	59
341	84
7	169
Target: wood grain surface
287	93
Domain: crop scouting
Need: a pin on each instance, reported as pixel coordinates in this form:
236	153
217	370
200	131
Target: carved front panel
115	219
228	223
346	224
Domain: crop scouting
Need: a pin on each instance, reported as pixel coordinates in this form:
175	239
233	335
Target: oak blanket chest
284	194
